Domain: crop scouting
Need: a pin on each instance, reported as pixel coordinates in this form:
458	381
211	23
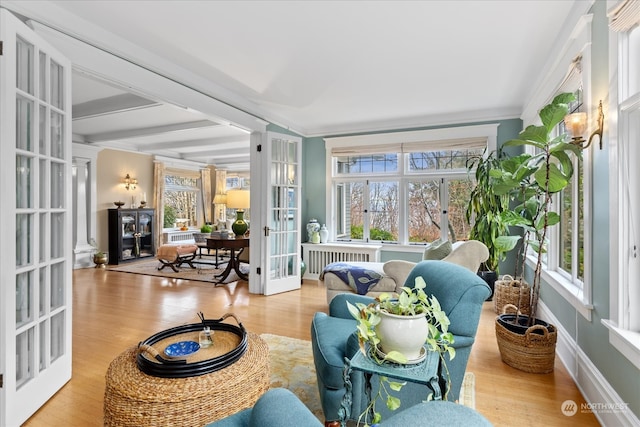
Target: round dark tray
169	368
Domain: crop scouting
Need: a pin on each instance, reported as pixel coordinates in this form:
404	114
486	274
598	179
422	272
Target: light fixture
239	199
130	183
576	124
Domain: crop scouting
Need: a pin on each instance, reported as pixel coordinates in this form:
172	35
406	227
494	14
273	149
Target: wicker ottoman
133	398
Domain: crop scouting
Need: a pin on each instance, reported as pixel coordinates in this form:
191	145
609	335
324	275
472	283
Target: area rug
292	368
203	272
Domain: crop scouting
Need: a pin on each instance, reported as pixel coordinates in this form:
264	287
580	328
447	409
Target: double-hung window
566	263
624	158
403	188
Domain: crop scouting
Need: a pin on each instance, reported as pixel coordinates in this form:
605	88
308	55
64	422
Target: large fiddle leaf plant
533	178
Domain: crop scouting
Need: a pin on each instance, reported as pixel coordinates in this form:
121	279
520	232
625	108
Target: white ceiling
316	67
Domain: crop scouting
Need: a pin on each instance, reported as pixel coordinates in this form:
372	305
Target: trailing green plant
410	302
532	180
486	210
206	228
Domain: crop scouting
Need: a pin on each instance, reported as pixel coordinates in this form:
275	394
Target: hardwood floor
113	311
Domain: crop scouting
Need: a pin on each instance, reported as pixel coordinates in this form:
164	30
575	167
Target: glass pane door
283	220
35	158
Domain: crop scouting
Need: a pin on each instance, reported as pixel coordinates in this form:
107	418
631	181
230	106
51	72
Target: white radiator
319	255
178	237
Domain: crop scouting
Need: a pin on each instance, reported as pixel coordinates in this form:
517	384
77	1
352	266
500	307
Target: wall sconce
576	124
130	183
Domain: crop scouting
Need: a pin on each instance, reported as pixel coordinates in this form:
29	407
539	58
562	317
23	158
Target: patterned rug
292	368
203	272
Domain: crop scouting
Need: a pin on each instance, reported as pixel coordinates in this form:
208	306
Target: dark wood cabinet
130	234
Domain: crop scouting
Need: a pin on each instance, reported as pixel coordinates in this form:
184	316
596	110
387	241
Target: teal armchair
281	408
461	294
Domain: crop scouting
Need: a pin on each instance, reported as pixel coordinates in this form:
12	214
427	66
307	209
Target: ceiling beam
218	154
154	130
111	105
205	142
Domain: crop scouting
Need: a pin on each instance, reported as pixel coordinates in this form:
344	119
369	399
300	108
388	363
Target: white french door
280	188
35	189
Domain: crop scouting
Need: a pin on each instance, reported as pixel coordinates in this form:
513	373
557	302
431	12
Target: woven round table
133	398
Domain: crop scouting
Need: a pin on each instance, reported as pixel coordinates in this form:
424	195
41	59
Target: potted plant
99	257
425	322
525	342
486	209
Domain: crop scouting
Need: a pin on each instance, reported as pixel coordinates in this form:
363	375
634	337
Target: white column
84	203
82	249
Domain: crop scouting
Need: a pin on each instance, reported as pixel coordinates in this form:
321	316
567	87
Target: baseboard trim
603	400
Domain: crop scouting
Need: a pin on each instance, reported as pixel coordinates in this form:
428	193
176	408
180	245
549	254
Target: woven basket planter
511	291
529	349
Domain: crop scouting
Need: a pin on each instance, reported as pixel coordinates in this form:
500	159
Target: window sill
626	342
570	292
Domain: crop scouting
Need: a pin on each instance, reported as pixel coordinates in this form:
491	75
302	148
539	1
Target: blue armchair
461	294
281	408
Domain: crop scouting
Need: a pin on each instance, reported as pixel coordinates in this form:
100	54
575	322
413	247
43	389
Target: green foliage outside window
374	233
169	216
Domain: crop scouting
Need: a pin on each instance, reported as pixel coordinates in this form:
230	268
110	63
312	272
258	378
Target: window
624	157
568	245
181	194
403	188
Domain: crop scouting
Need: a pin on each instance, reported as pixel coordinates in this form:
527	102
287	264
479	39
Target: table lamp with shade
238	199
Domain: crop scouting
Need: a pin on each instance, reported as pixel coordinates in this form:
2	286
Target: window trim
364	143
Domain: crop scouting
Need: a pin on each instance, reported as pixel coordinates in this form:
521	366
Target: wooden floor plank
113	311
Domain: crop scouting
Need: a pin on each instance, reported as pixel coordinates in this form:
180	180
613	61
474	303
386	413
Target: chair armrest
279	406
398	270
469	254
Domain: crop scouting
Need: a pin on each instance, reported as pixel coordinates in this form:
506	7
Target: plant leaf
506	243
557	180
396	386
393	402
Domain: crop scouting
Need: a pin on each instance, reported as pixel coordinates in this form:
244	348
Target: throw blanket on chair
359	278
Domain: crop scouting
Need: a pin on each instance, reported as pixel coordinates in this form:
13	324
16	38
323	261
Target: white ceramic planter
406	334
